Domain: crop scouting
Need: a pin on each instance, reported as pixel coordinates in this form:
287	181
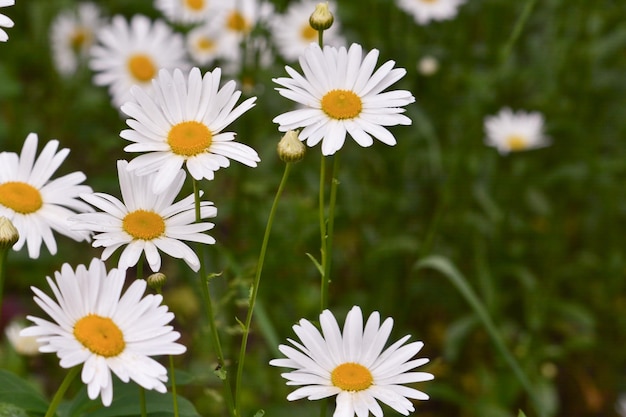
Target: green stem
330	227
517	30
142	401
208	306
58	397
173	378
3	257
444	266
322	216
255	285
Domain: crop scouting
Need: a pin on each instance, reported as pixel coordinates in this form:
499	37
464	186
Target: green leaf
157	405
259	413
521	414
16	391
316	263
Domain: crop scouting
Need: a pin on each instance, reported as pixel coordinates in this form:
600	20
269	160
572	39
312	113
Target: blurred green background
538	234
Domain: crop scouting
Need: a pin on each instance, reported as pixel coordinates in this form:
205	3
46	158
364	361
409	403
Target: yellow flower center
195	4
308	33
143	224
516	142
237	22
189	138
341	104
141	67
205	44
79	38
100	335
20	197
351	377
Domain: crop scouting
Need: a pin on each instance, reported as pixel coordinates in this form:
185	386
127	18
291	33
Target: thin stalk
322	216
58	396
255	285
142	401
326	261
517	30
208	306
173	378
3	257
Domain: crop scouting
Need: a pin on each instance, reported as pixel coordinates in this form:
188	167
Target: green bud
290	148
321	18
8	233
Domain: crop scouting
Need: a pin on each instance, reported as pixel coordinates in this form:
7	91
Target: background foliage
538	235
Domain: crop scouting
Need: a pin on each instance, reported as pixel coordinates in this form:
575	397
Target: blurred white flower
186	11
24	345
131	53
511	132
428	65
423	11
72	33
5	22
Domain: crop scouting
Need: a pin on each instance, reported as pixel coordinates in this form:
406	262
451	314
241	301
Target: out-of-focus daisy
352	365
132	53
36	204
72	33
181	123
428	65
423	11
24	345
146	222
204	44
93	323
5	22
237	18
343	95
511	132
186	11
292	32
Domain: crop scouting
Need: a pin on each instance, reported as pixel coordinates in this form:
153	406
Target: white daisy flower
353	365
292	32
132	53
72	34
423	11
35	204
182	123
204	44
343	94
146	222
24	345
93	323
186	11
5	22
511	132
237	18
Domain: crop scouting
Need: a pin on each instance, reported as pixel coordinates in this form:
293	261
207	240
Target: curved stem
208	306
517	30
255	285
330	227
58	397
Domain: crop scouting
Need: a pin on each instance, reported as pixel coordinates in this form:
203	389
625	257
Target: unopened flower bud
321	18
8	233
428	65
156	281
290	149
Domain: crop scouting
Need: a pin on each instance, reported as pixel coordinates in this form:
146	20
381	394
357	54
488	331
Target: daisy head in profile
187	12
352	365
5	22
425	11
94	324
35	203
510	131
341	95
181	122
292	32
72	33
146	222
131	53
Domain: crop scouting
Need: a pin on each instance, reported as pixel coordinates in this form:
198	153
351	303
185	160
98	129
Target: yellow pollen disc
100	335
189	138
516	142
341	104
237	22
308	33
143	224
195	4
79	38
205	44
351	377
141	67
20	197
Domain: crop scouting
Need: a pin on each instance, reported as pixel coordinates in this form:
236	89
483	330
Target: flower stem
173	379
322	216
255	285
58	397
328	238
142	401
208	306
517	30
3	257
